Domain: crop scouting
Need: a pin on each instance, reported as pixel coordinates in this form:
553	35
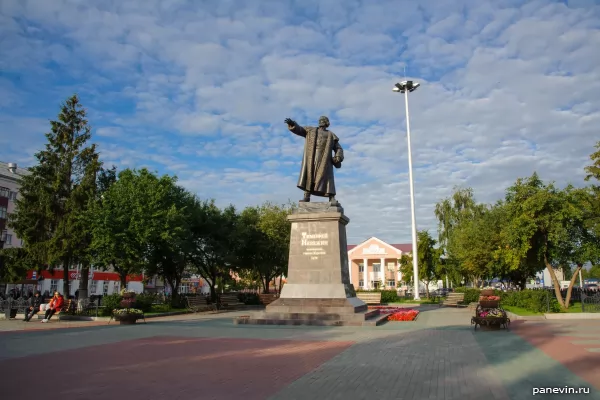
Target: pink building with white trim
375	262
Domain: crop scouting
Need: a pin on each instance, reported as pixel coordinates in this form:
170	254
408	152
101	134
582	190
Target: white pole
412	203
580	280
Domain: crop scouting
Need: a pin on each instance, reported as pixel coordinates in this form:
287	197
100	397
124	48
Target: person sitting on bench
36	302
54	306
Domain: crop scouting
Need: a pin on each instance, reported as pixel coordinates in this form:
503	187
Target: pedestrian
36	303
54	306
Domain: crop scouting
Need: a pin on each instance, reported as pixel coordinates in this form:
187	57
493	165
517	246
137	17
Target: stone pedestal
318	289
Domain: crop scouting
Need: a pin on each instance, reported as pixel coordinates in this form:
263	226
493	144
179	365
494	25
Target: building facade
100	283
10	177
373	264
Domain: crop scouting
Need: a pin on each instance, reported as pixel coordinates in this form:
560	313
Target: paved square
168	367
205	356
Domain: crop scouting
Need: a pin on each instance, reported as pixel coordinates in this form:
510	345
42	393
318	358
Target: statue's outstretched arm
295	128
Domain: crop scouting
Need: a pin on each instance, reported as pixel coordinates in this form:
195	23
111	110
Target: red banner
73	275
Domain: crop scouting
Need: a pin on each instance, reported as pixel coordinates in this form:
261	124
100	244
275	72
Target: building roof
8	174
403	247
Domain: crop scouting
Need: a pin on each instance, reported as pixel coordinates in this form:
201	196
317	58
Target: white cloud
201	91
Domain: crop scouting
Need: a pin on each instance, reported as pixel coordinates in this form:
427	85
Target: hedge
387	296
539	301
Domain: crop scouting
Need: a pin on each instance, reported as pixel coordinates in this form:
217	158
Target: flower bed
397	313
489	298
404	315
492	313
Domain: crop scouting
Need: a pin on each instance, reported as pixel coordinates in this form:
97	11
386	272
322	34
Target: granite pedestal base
318	289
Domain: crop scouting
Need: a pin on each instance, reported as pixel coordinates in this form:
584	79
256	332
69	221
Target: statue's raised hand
290	122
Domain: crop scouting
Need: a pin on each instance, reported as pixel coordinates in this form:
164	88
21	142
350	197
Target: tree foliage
428	261
55	195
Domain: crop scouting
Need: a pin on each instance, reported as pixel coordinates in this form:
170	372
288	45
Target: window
361	268
3	212
391	266
12	196
361	283
117	287
185	288
4	192
391	283
105	288
53	286
93	287
7	239
377	267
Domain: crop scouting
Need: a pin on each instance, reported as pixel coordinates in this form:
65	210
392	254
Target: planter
489	303
267	298
128	295
487	292
127	319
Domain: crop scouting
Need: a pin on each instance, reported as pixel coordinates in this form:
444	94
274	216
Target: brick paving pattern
205	356
564	343
174	368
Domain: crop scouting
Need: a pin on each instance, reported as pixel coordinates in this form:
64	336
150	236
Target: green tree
592	273
215	243
474	241
450	212
264	238
55	194
428	261
14	264
544	229
168	234
128	218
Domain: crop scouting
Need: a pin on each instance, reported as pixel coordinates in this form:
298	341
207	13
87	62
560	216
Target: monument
318	289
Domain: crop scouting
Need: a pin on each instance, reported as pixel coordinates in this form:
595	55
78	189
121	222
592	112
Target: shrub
111	302
160	308
532	300
144	302
250	299
389	296
471	294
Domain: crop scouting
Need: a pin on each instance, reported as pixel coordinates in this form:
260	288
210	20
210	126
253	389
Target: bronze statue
322	152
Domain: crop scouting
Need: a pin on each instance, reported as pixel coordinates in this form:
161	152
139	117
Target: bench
68	307
195	303
453	299
370	297
229	300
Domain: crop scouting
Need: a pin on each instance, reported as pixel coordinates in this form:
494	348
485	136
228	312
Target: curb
570	316
86	318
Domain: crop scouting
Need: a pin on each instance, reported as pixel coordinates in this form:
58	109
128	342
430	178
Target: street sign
34	275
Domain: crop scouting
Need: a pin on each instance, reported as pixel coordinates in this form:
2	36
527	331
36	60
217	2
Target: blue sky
200	89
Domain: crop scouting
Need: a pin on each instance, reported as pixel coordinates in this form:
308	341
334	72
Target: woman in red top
54	306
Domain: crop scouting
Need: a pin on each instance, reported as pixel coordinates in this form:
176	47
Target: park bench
453	299
196	303
370	297
229	300
68	307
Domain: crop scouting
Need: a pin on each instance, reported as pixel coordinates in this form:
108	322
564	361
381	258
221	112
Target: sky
200	89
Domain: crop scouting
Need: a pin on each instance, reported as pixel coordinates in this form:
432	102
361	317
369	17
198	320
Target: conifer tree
57	192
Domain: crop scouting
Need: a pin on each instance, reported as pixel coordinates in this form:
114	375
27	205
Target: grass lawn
574	308
164	310
521	311
422	301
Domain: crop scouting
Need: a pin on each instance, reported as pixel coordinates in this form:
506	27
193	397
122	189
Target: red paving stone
574	357
167	367
34	326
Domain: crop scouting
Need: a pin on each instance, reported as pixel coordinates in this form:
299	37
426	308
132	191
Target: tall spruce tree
57	192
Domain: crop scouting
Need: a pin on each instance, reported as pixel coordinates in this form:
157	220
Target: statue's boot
306	198
332	199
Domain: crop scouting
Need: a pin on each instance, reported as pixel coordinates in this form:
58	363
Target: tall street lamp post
407	87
